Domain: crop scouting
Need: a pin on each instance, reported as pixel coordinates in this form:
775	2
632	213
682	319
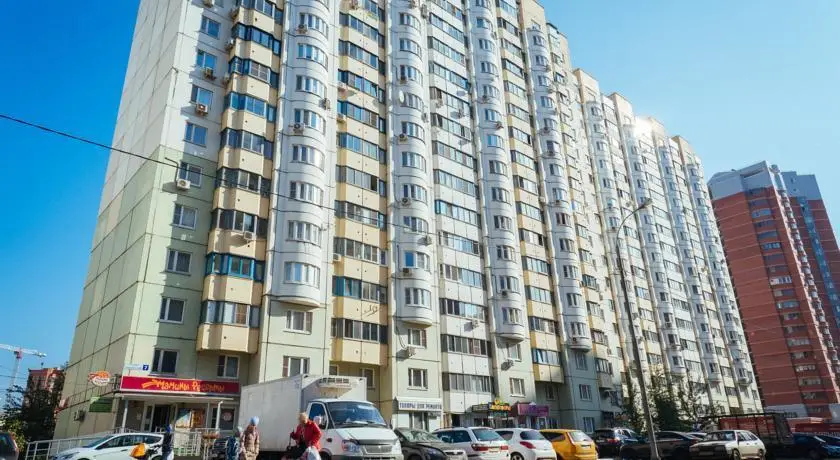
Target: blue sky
743	81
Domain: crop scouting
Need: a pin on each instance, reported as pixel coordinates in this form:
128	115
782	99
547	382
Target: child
232	446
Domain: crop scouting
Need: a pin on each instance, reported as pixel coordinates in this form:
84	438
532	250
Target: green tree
30	413
665	403
631	409
690	397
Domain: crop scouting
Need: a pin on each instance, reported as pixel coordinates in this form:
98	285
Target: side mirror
322	422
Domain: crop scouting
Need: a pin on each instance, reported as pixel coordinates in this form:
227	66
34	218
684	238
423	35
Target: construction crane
19	352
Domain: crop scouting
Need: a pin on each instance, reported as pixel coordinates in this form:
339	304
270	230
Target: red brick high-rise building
784	259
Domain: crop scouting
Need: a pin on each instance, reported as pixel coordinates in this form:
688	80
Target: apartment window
369	376
413	160
205	60
164	361
514	351
178	261
505	252
312	53
415	224
581	361
585	392
200	95
418	297
418	378
304	191
413	259
195	134
299	321
310	85
517	387
295	366
502	223
171	310
184	216
227	367
304	231
589	424
417	337
309	119
191	173
210	27
301	273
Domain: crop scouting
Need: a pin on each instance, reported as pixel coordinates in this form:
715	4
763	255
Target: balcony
745	380
581	343
548	373
227	337
357	351
605	381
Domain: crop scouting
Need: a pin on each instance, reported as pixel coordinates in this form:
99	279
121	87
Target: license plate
494	449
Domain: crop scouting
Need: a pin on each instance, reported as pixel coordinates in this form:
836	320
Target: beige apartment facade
345	187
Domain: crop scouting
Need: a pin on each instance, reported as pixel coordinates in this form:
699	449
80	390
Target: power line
85	140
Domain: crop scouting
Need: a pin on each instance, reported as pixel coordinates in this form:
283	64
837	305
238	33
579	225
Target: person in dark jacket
232	445
166	450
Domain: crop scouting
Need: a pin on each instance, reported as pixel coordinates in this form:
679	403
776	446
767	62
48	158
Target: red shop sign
180	386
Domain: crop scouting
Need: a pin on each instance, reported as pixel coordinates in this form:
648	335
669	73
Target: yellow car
571	444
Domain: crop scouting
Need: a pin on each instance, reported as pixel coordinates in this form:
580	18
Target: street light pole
654	450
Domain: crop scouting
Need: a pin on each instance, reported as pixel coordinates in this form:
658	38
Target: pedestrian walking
166	450
250	443
308	438
232	446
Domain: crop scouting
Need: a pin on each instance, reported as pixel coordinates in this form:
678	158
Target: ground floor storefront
498	414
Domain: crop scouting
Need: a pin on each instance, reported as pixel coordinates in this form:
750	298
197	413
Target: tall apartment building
782	252
422	193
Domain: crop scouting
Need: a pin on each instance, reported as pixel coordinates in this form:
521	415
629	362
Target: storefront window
228	418
419	421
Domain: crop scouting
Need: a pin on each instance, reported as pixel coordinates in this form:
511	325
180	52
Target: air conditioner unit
208	3
403	79
438	103
459	114
574	340
182	184
485	98
342	87
508	362
234	12
201	109
410	351
425	241
249	236
424	11
297	127
230	44
406	271
669	325
549	153
325	103
546	130
402	137
337	257
226	78
475	322
302	29
499	125
412	3
504	293
425	116
354	4
341	118
209	73
405	201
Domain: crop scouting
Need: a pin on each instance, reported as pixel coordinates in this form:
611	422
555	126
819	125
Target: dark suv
671	444
609	440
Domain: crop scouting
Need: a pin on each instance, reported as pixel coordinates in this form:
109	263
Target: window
184	216
304	231
205	60
511	316
467	383
295	366
301	273
178	261
240	314
581	361
227	367
312	53
585	392
200	95
299	321
171	310
248	141
313	22
370	377
310	85
191	173
418	297
233	265
253	34
417	337
359	250
413	160
210	27
309	119
254	69
517	387
164	361
417	378
304	191
195	134
358	330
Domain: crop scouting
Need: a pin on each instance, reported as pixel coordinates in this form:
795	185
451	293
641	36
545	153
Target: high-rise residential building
782	253
43	379
420	192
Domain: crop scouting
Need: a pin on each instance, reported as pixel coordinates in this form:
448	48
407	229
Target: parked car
729	445
814	447
571	444
8	446
610	440
422	445
671	444
833	440
478	442
697	434
218	451
527	444
112	447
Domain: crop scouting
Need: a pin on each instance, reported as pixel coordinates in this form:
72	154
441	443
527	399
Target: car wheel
325	456
736	455
814	454
761	455
516	456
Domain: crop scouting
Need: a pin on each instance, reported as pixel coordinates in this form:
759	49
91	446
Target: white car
478	442
729	445
527	444
112	447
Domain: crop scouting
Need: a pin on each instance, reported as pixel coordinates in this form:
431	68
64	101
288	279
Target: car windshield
417	436
96	442
579	436
604	434
350	413
531	435
720	436
486	434
7	446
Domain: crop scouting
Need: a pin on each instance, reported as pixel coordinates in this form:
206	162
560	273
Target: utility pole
637	360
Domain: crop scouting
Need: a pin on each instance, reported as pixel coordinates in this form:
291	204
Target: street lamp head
647	202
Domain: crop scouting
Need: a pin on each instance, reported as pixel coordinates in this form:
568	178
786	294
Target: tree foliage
30	413
631	408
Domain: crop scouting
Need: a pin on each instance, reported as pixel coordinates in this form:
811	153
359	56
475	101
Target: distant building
785	263
43	379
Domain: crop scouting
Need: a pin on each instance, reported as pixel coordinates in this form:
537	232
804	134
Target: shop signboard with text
132	383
